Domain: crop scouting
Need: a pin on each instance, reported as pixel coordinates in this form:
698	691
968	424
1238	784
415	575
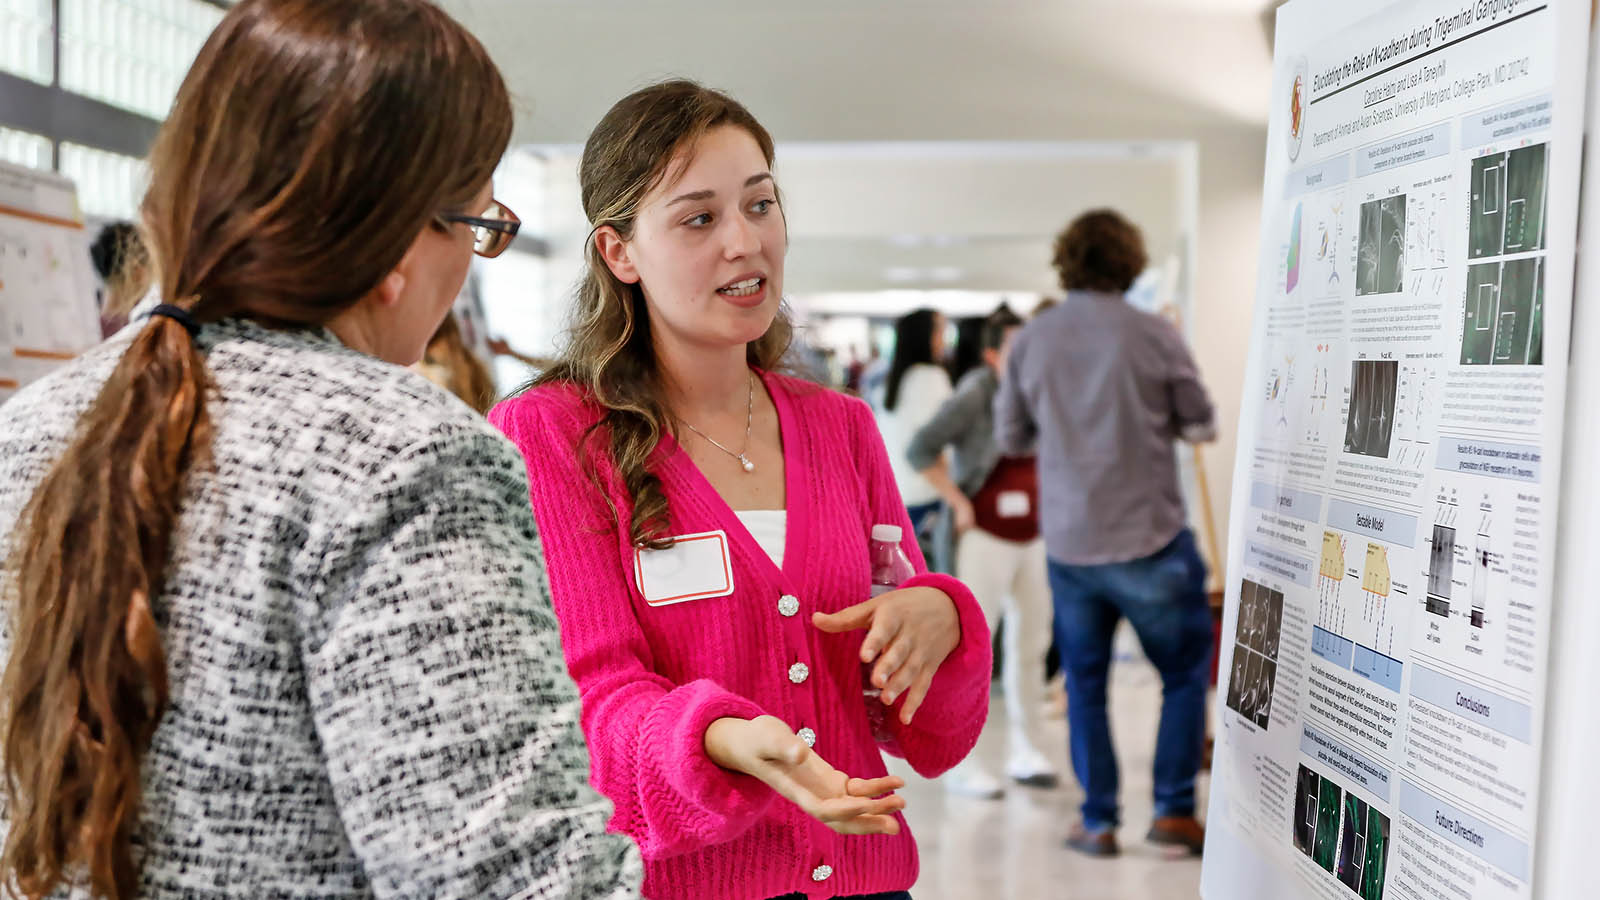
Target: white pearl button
788	604
799	672
821	873
809	736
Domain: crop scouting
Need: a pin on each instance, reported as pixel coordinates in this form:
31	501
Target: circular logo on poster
1297	108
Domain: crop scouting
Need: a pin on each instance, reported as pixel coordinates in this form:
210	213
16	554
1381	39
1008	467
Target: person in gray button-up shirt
1102	390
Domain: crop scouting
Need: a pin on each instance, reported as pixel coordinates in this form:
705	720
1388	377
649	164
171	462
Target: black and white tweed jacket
368	692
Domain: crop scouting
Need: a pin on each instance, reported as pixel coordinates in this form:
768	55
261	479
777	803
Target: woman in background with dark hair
968	352
993	502
918	383
278	621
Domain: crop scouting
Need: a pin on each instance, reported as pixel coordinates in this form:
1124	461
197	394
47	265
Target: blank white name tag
1013	504
695	567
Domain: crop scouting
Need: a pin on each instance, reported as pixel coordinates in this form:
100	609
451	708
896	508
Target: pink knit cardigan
653	678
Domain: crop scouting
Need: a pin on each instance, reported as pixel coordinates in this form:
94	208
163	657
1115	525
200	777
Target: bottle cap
889	534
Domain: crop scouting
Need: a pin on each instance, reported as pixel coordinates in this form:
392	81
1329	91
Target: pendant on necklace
745	461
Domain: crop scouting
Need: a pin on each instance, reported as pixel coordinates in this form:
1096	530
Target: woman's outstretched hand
766	748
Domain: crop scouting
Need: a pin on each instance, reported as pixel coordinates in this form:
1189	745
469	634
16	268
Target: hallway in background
1013	848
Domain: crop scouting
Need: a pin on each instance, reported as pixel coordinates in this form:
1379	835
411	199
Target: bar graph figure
1330	575
1375	585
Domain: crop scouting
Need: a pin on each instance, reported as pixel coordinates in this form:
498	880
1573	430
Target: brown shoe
1093	843
1178	831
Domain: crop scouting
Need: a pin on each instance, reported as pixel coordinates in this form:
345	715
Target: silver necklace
749	418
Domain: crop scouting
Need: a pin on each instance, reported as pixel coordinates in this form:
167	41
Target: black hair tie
180	315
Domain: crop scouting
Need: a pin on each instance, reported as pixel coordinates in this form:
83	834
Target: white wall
842	71
1230	210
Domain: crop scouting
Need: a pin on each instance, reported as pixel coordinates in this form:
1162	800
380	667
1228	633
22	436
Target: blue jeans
920	512
923	516
1163	597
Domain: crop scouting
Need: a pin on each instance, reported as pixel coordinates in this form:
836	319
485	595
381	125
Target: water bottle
890	569
890	565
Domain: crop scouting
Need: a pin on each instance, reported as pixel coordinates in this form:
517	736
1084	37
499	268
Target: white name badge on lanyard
695	567
1013	504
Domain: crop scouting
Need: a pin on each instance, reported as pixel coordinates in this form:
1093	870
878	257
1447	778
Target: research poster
1381	699
47	300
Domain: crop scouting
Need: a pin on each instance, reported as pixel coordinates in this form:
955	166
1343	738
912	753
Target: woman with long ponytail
278	623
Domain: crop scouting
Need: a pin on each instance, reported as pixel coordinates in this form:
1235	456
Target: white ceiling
873	70
854	89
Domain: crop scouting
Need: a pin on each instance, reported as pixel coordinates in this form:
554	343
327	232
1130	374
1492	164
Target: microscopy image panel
1486	225
1503	319
1370	422
1526	191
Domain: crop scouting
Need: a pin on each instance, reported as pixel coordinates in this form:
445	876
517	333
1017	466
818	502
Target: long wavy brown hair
608	353
308	147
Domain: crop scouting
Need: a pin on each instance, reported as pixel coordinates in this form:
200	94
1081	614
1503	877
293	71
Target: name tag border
727	571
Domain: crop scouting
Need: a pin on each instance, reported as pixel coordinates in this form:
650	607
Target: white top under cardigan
770	528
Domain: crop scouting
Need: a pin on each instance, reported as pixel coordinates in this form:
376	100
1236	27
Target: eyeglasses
492	231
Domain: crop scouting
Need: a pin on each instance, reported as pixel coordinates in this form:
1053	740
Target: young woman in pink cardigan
706	524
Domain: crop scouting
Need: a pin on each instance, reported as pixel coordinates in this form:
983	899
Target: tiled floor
1011	849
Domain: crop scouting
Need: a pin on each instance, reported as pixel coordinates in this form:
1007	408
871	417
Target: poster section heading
1466	831
1511	461
1282	500
1385	525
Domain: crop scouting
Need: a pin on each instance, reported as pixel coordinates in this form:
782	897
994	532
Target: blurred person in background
1052	656
278	623
968	352
993	500
852	372
1101	390
707	522
873	375
916	384
451	364
966	355
120	260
